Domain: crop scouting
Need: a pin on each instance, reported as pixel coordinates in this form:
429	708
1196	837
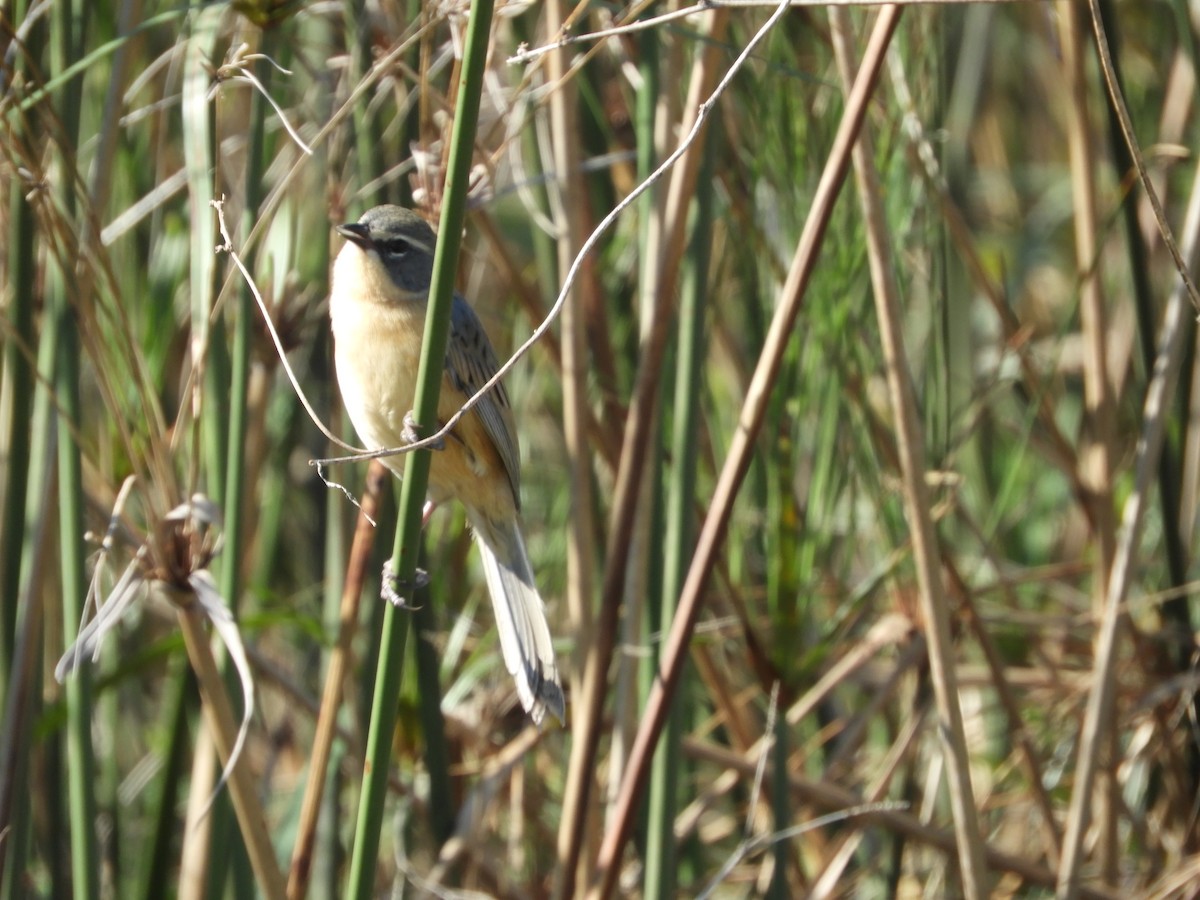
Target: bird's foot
411	436
391	586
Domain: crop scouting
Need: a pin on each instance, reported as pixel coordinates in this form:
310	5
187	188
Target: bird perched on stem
377	307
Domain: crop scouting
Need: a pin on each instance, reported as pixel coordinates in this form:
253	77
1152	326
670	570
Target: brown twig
335	676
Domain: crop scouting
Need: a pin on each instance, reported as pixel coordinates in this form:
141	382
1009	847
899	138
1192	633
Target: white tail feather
520	617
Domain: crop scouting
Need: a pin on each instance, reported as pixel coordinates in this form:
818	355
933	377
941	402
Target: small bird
377	309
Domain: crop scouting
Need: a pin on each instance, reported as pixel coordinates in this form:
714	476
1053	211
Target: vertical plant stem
81	763
68	25
195	858
378	480
926	554
234	459
1095	457
22	691
661	864
1096	724
1145	301
243	314
157	860
565	192
16	395
366	143
651	116
416	471
442	811
208	392
18	389
1176	610
738	461
100	189
196	114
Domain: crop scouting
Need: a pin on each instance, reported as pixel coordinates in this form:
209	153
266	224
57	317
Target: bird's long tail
520	617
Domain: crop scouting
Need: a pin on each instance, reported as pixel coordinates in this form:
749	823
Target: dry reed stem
926	552
1096	452
565	192
1100	696
194	862
736	464
219	716
335	675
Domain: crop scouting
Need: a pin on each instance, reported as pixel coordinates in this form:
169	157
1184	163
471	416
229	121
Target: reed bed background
860	459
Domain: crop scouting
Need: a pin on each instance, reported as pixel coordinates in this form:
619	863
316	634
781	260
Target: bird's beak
355	232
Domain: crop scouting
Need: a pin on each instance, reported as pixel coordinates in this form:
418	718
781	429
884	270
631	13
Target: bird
378	297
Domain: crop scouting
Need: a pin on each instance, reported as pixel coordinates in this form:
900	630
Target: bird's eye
395	247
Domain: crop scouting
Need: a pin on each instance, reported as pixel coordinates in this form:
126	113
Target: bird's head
399	241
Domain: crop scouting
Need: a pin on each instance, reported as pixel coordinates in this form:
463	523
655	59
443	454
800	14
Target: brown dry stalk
1096	452
221	725
565	193
335	676
1096	723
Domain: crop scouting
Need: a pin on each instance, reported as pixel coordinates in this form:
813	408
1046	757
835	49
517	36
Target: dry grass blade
581	544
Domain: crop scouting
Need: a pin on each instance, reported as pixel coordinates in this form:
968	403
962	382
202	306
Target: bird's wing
470	362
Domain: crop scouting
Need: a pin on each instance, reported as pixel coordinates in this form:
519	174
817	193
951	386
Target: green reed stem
416	472
661	866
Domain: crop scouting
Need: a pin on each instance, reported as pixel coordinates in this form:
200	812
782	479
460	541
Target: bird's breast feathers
377	347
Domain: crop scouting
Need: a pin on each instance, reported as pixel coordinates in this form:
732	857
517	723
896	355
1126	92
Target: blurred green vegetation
121	322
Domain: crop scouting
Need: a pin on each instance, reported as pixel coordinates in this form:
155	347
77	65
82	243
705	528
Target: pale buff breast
377	349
